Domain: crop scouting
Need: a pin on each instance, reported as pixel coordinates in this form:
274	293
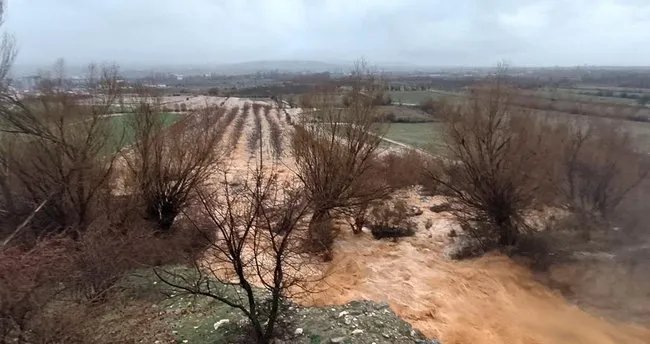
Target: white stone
343	313
221	322
357	331
298	331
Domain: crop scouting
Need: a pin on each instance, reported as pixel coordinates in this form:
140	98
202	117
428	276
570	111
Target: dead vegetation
71	148
255	137
258	226
76	238
496	166
238	129
275	132
334	150
504	163
166	166
391	220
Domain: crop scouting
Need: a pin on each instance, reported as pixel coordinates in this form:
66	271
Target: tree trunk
273	315
252	306
163	214
507	234
8	197
359	220
320	236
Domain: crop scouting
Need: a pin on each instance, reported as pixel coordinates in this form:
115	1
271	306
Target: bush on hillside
391	221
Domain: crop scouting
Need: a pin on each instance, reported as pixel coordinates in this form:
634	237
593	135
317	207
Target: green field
124	132
576	94
417	97
427	136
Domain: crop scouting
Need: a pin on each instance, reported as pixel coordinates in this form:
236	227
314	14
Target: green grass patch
124	132
417	97
427	136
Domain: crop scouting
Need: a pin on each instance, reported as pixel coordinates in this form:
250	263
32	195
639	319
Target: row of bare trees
255	137
238	129
275	131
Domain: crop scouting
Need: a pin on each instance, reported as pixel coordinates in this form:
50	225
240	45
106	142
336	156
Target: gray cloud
426	32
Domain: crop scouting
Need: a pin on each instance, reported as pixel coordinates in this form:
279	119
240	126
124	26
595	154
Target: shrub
29	281
429	106
404	169
238	130
246	107
391	221
255	137
166	164
335	165
496	163
275	132
600	165
61	153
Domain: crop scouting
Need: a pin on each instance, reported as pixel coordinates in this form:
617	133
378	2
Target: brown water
486	300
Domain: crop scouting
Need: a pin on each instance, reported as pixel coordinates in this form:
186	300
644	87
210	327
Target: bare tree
495	165
334	149
258	226
7	101
70	144
166	164
600	165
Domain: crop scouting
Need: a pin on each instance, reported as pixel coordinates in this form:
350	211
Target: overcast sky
423	32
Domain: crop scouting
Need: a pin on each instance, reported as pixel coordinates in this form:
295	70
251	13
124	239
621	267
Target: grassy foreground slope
427	136
155	313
